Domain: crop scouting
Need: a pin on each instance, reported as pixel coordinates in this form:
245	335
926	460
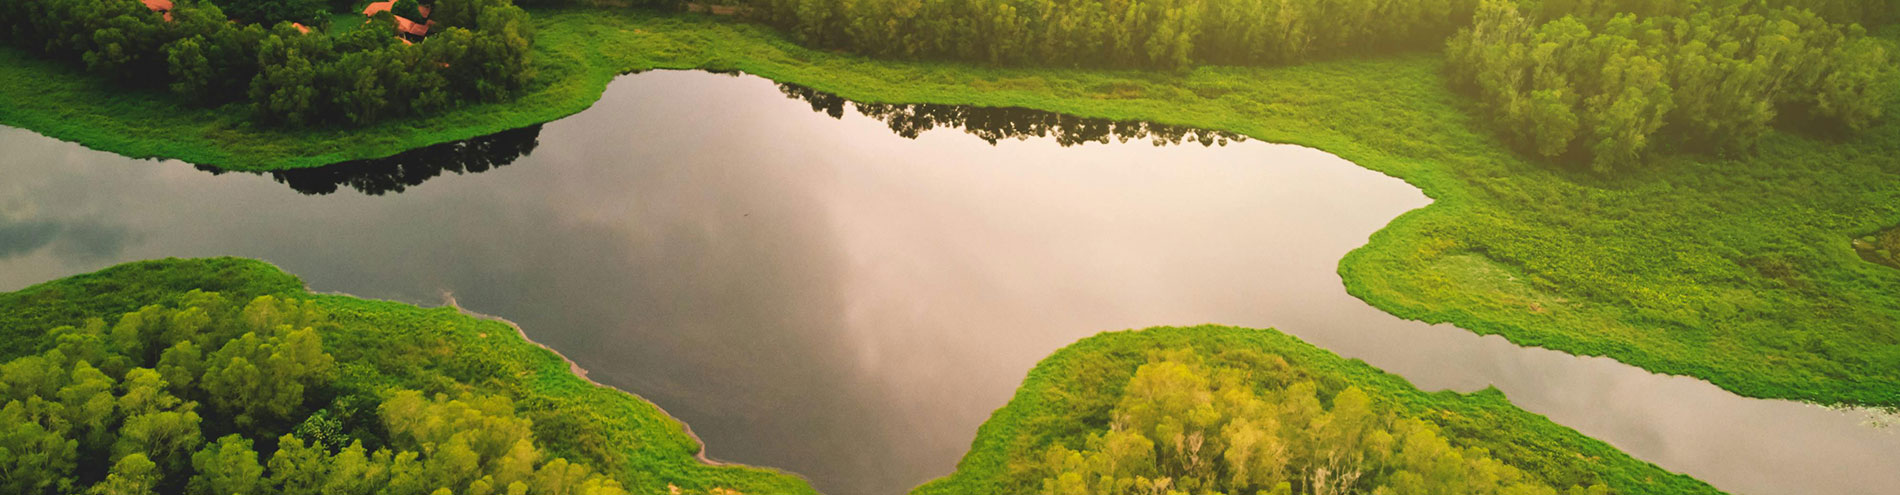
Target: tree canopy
477	51
1185	426
211	397
1606	84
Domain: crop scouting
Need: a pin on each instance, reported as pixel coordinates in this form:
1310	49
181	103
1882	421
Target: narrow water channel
813	291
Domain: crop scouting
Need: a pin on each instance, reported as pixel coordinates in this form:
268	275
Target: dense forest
343	73
1115	33
1601	82
1183	425
1605	86
213	397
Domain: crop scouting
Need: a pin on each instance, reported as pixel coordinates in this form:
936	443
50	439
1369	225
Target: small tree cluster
1605	89
131	408
1184	427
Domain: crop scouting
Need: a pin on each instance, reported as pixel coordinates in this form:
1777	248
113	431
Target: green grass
1070	394
381	344
1731	270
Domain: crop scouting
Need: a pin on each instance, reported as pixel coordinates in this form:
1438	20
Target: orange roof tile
158	5
412	27
378	7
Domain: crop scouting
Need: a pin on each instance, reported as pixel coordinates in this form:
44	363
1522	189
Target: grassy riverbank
1069	396
383	345
1739	271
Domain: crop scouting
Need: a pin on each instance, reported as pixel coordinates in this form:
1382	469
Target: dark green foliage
1231	410
1607	86
307	394
479	52
1151	33
407	8
271	12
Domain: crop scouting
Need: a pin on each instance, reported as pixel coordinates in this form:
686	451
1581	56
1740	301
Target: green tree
227	467
131	475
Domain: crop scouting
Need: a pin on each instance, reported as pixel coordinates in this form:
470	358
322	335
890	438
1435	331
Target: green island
1711	240
225	375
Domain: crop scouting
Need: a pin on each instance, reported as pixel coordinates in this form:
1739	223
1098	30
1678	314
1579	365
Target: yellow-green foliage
1231	410
340	395
1183	425
66	422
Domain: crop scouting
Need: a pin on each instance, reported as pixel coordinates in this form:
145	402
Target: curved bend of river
817	294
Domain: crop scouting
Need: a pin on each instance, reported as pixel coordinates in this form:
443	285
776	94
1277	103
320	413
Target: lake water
815	292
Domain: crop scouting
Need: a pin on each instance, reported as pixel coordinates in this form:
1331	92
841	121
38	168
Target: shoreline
449	301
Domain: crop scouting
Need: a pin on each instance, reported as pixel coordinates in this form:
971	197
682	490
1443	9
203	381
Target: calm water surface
829	297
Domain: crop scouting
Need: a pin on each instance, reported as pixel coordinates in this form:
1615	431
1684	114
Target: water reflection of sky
824	296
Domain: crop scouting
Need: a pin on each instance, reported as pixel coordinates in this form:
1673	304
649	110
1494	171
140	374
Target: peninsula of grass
1080	390
378	347
1729	269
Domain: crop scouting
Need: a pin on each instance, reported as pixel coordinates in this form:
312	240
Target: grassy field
1070	394
382	344
1740	271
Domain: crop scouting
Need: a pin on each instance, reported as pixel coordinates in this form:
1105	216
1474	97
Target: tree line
1115	33
1603	86
217	398
479	51
993	124
1184	425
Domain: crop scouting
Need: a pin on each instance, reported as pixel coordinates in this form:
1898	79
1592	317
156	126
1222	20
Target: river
849	297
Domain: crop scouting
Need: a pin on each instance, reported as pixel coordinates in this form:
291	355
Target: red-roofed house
404	25
378	8
160	6
413	28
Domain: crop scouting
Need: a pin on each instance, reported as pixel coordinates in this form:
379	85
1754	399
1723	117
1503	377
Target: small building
410	29
160	6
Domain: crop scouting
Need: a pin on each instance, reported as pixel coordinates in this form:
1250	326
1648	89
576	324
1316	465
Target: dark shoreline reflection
397	173
994	124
